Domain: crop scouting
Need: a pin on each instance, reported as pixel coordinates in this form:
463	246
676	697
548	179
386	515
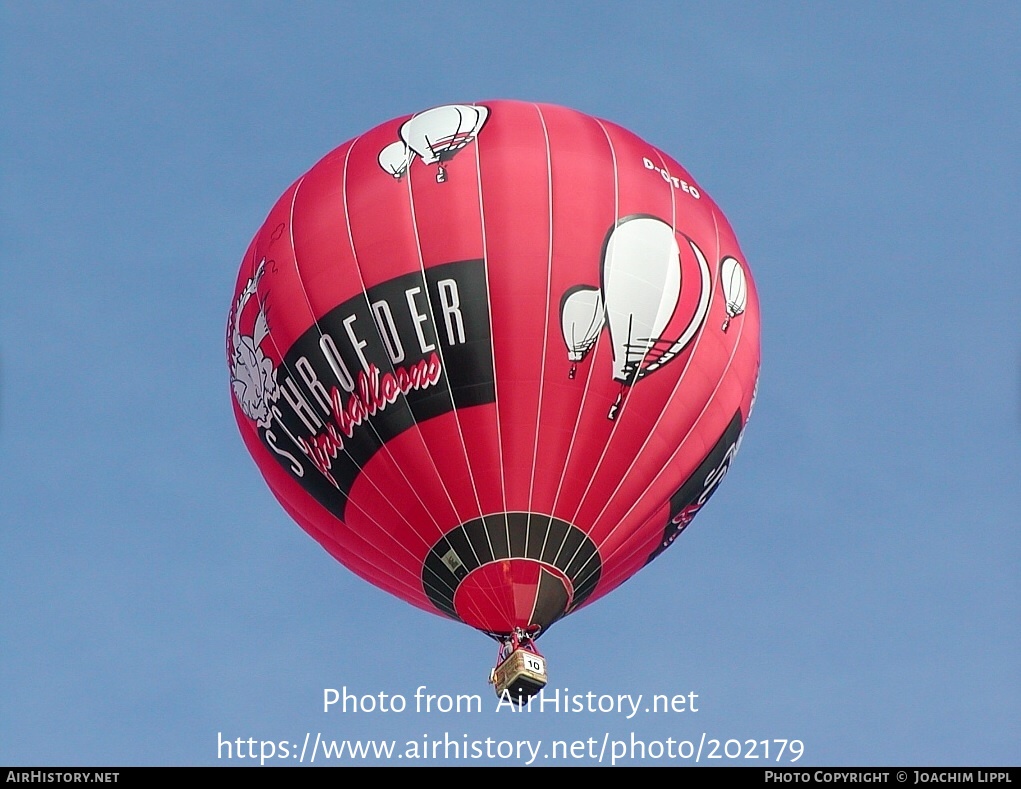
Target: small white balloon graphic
735	288
581	320
396	158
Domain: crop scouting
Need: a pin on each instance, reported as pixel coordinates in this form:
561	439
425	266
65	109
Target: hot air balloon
396	354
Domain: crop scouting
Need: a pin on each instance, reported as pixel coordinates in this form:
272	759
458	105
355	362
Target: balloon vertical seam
546	320
492	343
595	351
616	219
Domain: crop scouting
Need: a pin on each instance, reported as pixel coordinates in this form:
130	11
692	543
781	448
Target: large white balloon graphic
641	285
437	134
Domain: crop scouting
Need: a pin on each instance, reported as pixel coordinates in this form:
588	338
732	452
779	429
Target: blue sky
854	583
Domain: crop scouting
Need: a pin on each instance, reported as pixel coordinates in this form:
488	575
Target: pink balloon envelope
402	372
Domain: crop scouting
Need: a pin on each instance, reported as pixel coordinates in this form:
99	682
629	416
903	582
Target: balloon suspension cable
574	370
726	323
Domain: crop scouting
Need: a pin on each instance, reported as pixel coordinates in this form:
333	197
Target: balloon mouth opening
511	569
513	593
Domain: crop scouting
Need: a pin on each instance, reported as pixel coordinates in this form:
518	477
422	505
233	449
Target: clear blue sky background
854	584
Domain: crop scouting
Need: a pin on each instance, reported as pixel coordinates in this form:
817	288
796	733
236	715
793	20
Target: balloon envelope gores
494	357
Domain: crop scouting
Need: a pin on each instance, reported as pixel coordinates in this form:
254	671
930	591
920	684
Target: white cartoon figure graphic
581	320
252	374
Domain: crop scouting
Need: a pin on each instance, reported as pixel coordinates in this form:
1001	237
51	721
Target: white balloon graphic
735	288
641	287
696	321
438	134
396	158
581	320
